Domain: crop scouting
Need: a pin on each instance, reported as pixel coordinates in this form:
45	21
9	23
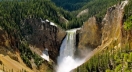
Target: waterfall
68	46
66	60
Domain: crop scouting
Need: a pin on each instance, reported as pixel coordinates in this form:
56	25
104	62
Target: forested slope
15	11
71	5
15	17
98	8
116	56
95	8
128	16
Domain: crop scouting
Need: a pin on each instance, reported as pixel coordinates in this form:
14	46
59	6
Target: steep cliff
6	47
9	56
41	35
25	48
94	33
114	50
90	34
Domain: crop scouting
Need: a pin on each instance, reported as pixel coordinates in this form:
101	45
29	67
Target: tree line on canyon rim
13	12
16	11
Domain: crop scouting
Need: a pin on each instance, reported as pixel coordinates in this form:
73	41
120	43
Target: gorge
38	36
97	38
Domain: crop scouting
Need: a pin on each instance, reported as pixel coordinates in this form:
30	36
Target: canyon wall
36	34
98	34
43	35
94	33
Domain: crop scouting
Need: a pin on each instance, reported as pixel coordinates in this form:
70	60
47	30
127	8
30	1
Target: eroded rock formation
39	35
43	35
90	34
94	35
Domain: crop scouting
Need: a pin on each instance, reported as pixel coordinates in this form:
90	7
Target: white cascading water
66	60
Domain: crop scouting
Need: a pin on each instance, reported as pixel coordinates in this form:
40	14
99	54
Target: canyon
61	50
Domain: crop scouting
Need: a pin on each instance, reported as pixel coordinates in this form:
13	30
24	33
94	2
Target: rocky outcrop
82	13
90	34
8	53
6	47
94	34
112	23
114	40
43	35
39	35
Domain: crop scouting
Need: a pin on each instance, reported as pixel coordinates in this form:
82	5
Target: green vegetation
109	60
27	55
128	9
128	23
95	7
14	12
71	5
128	16
12	15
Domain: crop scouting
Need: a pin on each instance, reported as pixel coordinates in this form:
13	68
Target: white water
66	60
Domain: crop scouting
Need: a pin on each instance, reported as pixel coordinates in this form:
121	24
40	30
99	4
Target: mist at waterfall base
67	64
67	61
